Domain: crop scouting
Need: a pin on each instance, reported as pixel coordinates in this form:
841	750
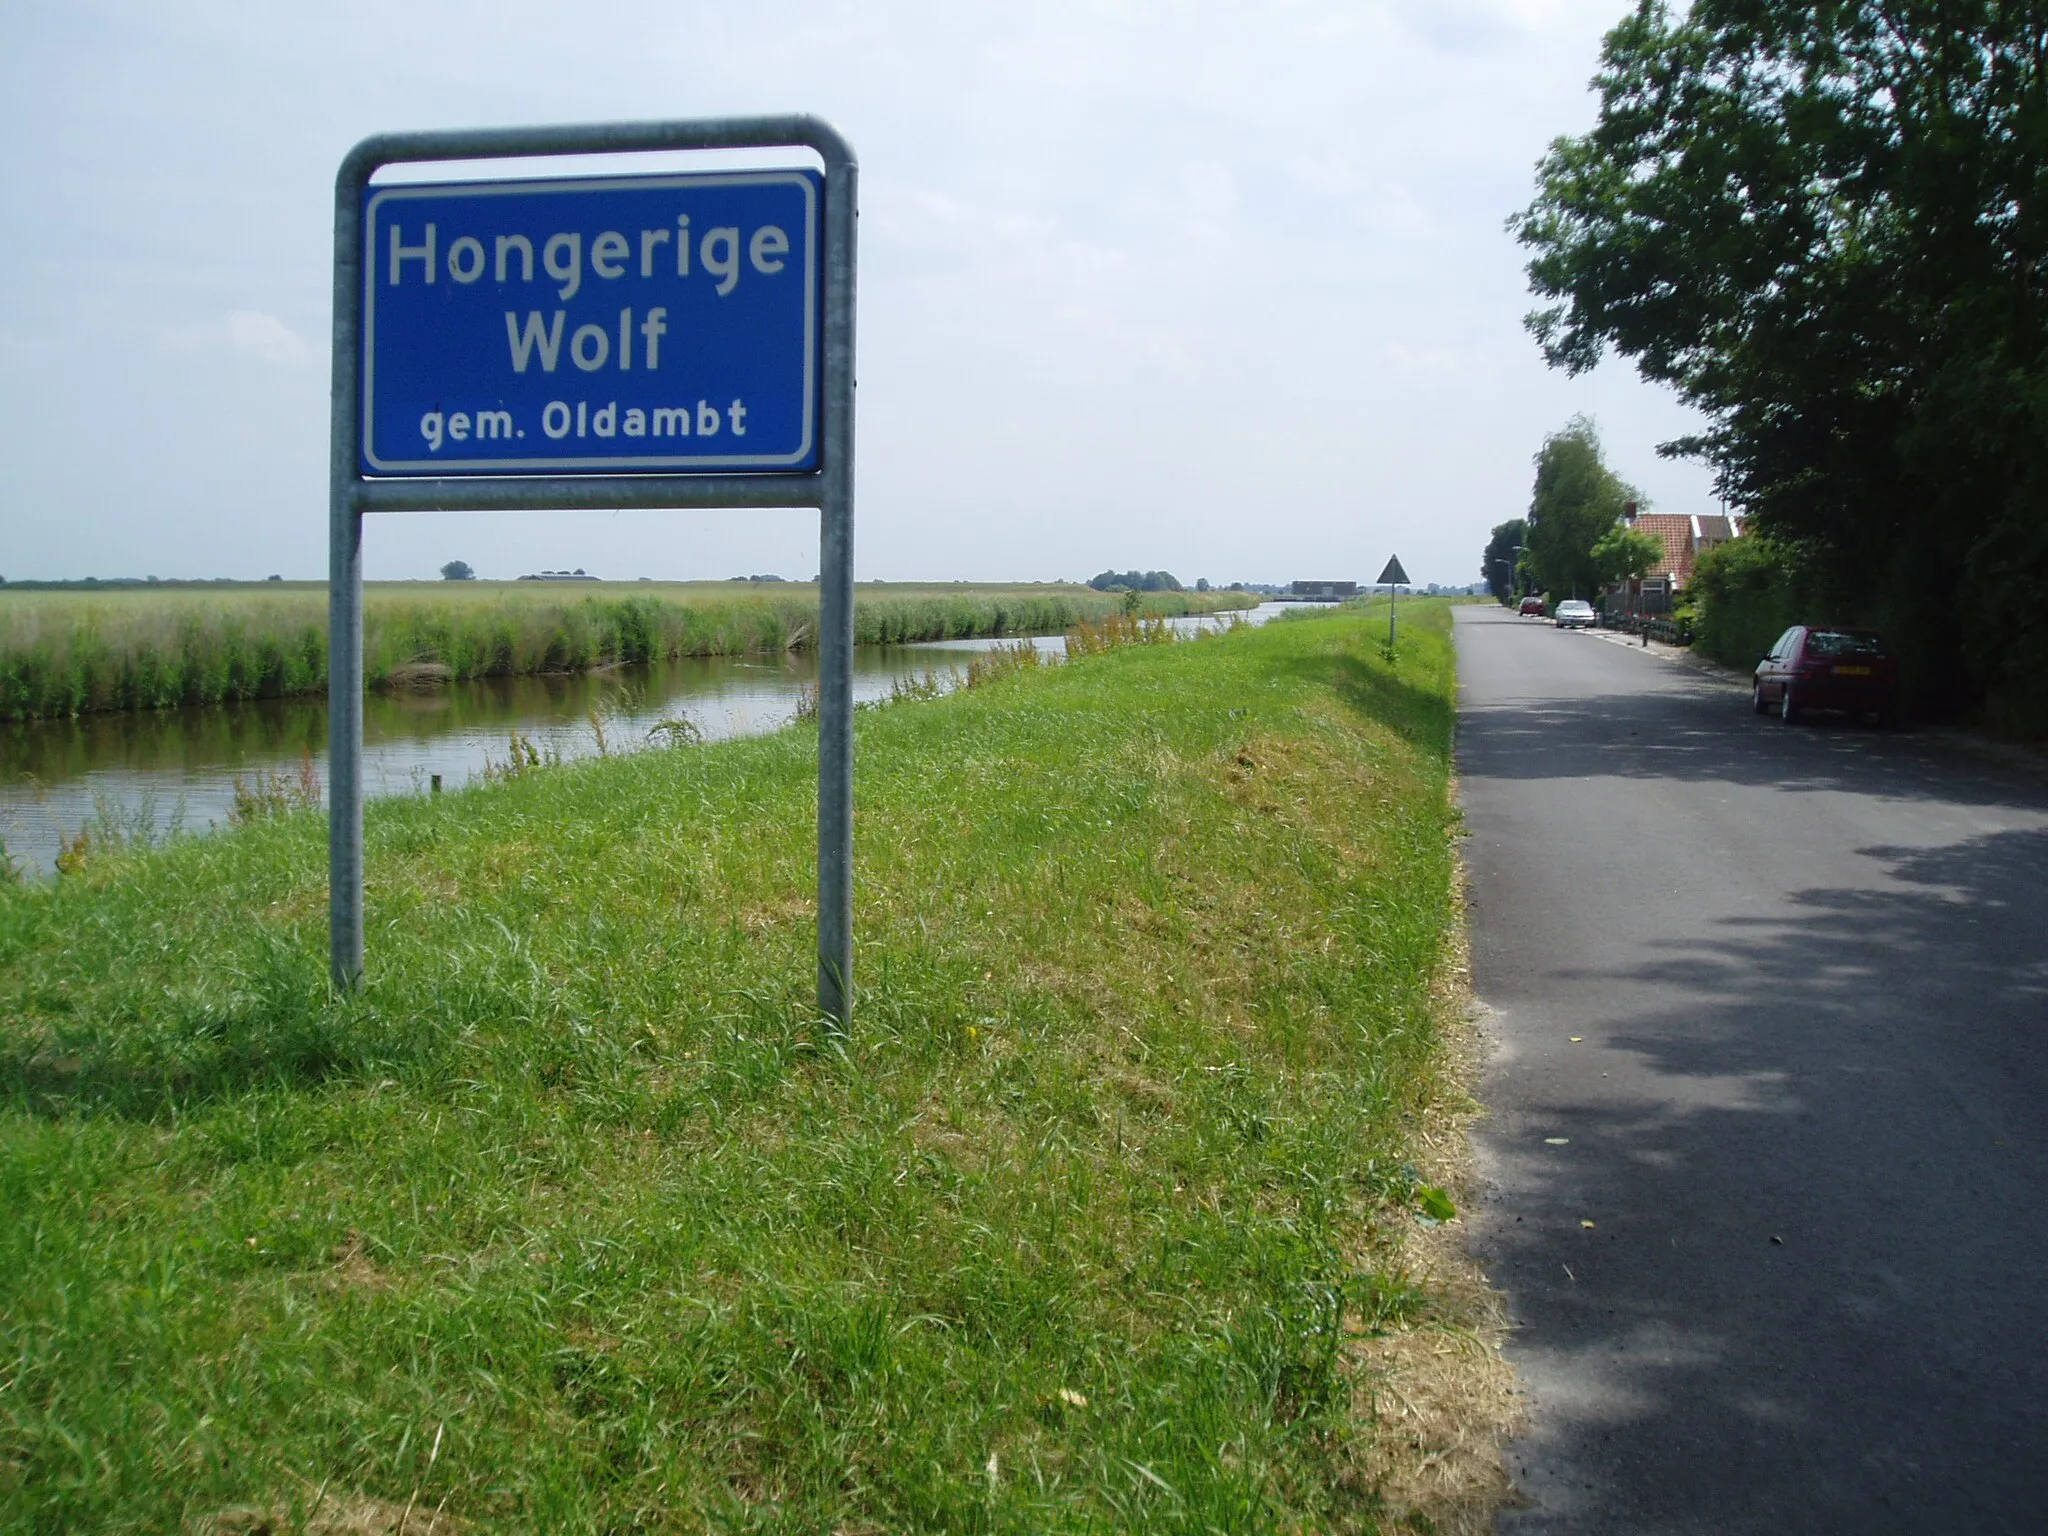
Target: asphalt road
1774	1227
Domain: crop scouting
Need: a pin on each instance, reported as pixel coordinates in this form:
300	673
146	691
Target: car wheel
1757	701
1788	706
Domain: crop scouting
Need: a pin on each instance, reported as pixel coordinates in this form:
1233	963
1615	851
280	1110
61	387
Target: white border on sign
453	468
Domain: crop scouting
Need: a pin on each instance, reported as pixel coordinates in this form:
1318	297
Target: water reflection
176	769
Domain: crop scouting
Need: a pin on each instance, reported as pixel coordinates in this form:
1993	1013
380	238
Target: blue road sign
614	325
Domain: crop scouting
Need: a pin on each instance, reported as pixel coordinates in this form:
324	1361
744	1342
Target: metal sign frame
829	488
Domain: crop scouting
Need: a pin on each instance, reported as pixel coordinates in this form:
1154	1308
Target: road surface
1767	1151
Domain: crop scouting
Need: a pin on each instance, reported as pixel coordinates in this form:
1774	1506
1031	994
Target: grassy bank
577	1218
65	653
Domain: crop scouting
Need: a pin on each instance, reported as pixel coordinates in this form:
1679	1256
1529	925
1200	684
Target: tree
1624	553
1577	499
1135	581
1824	224
1497	565
457	570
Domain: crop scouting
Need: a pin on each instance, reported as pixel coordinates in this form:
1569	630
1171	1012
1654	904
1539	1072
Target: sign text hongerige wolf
652	323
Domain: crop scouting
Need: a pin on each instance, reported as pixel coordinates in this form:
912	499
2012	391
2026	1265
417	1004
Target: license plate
1852	671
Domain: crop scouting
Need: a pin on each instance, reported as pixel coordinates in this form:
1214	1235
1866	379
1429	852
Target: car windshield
1843	642
1571	607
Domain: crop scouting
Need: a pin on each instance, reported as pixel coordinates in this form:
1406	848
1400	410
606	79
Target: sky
1219	289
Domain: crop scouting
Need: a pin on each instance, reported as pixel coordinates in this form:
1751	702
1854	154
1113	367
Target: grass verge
65	653
576	1218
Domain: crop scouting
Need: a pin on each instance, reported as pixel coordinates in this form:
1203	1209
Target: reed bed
73	653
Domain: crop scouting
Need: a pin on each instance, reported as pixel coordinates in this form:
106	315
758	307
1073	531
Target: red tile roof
1675	530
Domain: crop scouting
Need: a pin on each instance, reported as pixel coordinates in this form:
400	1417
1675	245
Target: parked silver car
1576	613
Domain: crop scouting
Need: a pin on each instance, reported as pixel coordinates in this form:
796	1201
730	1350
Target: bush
2006	614
1746	592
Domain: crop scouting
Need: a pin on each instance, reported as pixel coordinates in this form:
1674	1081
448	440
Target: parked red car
1815	666
1532	605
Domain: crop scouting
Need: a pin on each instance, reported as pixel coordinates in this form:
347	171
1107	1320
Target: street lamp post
1512	560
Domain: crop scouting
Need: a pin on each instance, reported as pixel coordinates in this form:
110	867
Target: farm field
1104	1215
70	652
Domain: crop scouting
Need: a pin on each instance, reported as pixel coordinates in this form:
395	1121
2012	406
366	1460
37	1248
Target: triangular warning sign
1393	575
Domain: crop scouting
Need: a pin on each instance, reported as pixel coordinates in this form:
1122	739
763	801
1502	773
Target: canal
159	773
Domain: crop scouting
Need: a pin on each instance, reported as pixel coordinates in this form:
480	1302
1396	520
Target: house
1685	537
1323	590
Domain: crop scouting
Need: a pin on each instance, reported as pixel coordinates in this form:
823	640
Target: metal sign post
670	340
1392	578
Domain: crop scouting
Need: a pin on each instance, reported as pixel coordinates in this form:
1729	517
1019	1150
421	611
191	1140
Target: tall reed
1117	629
68	654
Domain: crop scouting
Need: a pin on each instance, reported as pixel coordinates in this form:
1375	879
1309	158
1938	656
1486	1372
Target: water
175	770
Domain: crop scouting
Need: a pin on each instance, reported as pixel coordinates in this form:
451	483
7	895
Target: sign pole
345	747
345	604
835	607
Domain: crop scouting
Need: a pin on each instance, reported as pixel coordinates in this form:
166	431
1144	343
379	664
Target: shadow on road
1694	729
1859	1321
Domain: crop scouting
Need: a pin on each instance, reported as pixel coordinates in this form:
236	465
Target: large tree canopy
1824	224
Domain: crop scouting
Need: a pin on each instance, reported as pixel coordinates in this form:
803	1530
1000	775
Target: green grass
578	1219
64	653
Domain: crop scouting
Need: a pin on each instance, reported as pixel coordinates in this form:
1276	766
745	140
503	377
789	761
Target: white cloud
266	336
249	332
1439	362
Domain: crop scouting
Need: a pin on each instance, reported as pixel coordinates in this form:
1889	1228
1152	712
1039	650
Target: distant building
1325	591
576	575
1685	537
